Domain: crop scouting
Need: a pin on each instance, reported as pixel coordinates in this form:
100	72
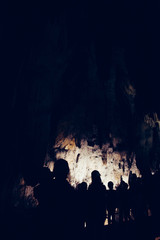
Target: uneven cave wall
148	143
64	67
97	133
113	165
32	83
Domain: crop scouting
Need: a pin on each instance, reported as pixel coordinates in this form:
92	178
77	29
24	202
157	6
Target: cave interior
79	80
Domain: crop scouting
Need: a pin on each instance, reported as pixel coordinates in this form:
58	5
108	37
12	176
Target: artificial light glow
82	160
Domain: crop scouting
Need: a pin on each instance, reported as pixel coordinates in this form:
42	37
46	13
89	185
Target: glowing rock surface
82	160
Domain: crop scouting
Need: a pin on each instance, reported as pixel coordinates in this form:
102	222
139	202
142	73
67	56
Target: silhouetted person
63	202
96	206
137	199
140	202
111	203
81	206
139	209
58	208
123	202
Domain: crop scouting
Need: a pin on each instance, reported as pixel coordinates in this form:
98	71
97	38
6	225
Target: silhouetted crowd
68	213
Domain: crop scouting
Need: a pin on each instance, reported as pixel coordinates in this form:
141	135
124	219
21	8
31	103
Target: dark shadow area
90	212
89	69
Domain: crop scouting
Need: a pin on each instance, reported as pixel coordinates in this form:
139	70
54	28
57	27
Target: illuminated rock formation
112	165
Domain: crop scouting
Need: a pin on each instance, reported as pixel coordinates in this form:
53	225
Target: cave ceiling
88	69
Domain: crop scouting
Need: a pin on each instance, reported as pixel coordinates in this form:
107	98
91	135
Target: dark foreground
26	227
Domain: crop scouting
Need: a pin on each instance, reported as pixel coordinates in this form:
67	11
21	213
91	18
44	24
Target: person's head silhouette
96	176
61	169
110	185
84	186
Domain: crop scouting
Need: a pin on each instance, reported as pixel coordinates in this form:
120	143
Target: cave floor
23	227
